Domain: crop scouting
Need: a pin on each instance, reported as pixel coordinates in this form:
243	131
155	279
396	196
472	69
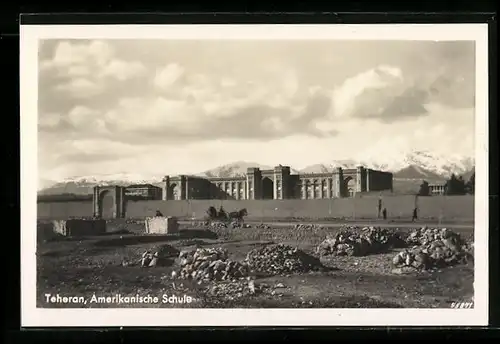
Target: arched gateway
109	202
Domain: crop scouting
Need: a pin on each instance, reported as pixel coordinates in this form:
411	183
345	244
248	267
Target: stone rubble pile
352	241
155	256
434	248
281	259
230	291
301	226
425	236
209	264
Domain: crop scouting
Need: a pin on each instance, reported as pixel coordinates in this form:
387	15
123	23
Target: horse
222	215
212	213
238	215
219	215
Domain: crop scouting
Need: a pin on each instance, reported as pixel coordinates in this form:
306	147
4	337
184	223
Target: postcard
254	175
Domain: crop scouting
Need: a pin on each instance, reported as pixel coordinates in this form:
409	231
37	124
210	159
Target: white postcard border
42	317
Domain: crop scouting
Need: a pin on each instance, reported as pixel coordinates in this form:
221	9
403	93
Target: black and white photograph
254	175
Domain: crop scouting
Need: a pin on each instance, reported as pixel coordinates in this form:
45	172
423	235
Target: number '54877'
462	305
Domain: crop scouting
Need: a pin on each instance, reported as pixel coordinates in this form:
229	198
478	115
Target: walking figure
384	214
415	215
379	207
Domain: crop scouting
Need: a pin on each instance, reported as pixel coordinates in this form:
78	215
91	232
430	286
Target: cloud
49	121
389	93
89	150
122	70
167	76
380	93
188	106
381	142
77	53
82	70
79	88
214	116
132	102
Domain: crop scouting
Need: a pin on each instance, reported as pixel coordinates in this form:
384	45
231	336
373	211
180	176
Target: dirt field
94	266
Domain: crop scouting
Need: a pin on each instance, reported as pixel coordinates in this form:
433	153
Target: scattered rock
352	241
434	248
425	236
281	259
166	251
210	264
234	290
301	226
406	270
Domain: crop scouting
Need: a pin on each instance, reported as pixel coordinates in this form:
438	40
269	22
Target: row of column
234	189
325	186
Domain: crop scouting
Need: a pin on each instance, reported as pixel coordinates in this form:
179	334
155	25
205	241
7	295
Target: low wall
435	207
64	210
444	207
76	228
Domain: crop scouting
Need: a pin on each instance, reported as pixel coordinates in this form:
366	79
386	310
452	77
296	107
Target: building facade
143	192
278	183
437	189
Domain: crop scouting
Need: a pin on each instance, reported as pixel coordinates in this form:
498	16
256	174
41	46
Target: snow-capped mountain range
424	164
416	165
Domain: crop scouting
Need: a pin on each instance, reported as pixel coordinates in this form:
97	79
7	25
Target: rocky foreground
220	272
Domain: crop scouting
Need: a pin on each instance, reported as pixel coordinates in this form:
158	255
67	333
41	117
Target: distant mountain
421	164
443	165
84	185
414	166
417	172
325	168
235	169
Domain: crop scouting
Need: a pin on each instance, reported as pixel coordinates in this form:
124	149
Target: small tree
424	189
455	186
470	185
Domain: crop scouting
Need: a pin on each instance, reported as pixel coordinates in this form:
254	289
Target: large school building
278	183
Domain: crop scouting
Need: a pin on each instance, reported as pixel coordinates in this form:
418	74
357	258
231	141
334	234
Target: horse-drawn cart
221	215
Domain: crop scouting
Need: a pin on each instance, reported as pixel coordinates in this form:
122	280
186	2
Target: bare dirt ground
94	266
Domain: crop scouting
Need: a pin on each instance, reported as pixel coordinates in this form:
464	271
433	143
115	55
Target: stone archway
174	192
349	187
109	202
267	188
106	205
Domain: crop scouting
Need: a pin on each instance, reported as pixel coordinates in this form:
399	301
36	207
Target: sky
158	107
